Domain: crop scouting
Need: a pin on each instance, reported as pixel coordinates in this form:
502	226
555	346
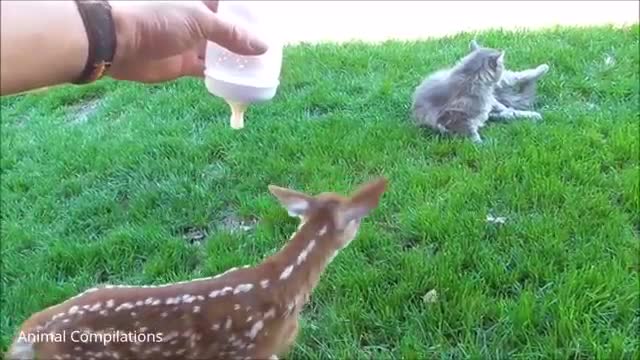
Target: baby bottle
243	80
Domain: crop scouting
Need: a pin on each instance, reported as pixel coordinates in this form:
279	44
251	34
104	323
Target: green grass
100	184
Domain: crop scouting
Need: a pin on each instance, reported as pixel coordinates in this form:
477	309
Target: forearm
43	43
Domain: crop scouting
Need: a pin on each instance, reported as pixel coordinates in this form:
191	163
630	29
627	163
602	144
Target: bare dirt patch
234	224
194	235
81	112
228	222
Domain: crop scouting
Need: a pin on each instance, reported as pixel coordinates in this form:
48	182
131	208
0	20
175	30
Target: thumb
231	36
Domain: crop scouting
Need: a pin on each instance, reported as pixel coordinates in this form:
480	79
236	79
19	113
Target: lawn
124	183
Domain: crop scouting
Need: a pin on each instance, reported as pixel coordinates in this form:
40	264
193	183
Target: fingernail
258	46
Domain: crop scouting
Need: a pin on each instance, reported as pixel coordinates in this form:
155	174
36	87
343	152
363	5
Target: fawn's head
341	214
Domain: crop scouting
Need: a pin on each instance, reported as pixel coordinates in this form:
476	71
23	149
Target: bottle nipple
237	114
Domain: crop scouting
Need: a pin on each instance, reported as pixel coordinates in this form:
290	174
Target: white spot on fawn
271	313
225	290
236	307
227	325
242	288
287	271
109	303
322	231
170	301
290	307
264	283
303	255
73	310
196	309
255	329
125	306
214	293
171	335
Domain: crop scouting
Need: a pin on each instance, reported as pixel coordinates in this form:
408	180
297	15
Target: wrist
99	28
124	33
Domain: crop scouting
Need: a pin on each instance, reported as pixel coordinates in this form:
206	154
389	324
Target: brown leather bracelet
100	28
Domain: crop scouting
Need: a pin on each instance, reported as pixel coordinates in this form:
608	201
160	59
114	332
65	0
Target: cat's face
486	63
495	62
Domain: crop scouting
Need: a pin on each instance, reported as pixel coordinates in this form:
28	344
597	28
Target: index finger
231	36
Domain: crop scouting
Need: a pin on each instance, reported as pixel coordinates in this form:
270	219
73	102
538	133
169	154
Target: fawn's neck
303	259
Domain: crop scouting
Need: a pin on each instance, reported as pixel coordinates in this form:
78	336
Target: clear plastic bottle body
244	79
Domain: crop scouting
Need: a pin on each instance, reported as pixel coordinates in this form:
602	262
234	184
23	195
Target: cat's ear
497	60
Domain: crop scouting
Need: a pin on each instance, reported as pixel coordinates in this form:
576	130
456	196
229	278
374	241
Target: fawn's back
245	313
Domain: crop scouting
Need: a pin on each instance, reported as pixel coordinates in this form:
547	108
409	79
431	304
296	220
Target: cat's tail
453	121
422	119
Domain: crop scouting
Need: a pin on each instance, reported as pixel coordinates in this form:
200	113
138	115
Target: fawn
243	313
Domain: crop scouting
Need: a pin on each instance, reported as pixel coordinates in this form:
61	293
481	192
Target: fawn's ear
296	203
363	200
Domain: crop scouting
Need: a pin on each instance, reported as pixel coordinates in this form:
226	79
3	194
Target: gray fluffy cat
516	89
459	100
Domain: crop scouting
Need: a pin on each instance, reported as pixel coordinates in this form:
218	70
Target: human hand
163	40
